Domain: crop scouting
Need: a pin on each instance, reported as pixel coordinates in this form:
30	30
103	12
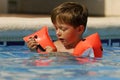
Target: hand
32	44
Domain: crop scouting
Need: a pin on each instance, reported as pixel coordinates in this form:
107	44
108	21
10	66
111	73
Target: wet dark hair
71	13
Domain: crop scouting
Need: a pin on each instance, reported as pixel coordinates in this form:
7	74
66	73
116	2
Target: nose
58	32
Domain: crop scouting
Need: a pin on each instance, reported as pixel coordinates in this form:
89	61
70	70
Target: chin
67	47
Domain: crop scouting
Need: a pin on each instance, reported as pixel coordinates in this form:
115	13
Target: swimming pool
17	63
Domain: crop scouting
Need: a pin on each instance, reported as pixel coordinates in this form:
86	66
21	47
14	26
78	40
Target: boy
70	20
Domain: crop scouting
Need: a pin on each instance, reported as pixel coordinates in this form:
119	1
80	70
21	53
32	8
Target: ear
80	28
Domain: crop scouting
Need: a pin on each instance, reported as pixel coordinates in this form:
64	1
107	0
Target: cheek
70	35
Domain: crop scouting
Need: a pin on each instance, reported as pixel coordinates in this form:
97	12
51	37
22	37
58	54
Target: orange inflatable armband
93	41
43	38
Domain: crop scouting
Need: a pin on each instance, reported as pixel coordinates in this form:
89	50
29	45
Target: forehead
62	25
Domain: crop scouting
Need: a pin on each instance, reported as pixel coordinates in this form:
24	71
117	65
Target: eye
63	29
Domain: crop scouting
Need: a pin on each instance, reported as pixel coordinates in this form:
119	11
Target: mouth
61	39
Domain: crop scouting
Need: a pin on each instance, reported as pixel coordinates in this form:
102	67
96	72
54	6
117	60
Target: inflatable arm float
93	41
43	38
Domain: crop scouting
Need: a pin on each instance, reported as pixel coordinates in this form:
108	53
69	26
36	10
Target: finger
30	39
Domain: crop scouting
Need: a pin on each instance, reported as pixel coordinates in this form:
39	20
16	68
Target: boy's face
68	35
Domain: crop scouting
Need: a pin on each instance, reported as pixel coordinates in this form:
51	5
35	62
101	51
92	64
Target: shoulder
60	47
58	44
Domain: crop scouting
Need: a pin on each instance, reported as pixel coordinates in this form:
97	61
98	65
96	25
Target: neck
72	45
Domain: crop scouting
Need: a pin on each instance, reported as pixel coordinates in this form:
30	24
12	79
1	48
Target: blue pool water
18	63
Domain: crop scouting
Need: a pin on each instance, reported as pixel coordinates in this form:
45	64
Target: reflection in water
18	63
